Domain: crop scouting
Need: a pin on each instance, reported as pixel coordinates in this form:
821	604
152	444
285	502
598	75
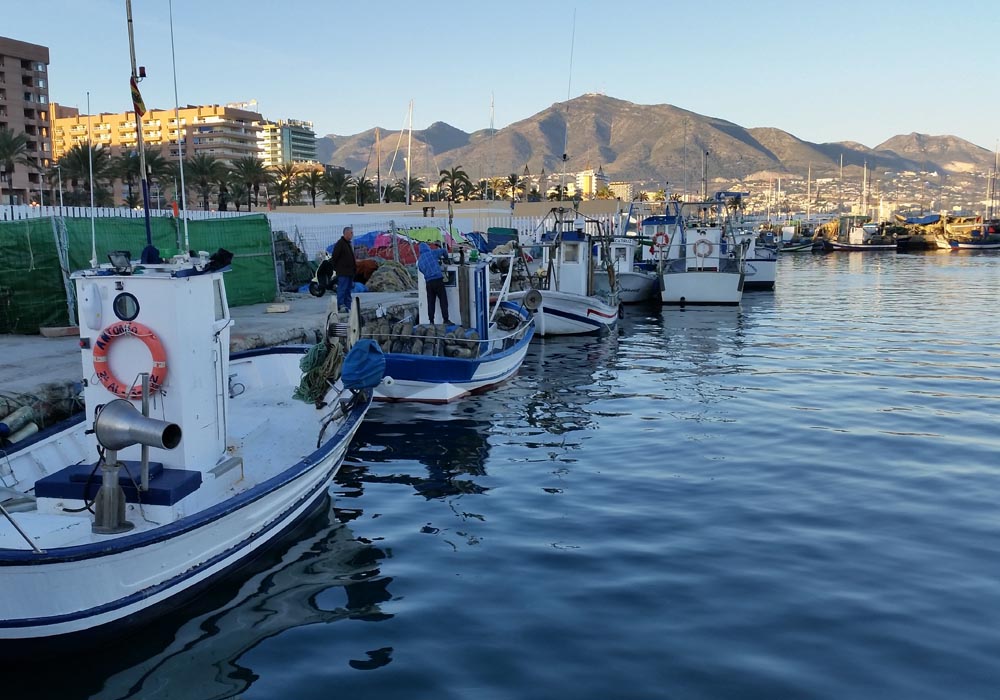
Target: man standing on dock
345	267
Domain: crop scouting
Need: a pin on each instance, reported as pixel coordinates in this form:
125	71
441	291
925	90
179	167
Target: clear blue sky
836	71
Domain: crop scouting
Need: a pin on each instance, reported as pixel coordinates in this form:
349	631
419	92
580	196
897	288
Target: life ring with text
661	240
703	248
103	343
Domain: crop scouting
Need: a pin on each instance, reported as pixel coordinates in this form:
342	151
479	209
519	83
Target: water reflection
324	575
452	449
561	376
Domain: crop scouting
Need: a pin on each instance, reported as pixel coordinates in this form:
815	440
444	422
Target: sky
824	72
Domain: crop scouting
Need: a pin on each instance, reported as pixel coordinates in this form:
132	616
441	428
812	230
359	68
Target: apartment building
589	182
24	107
223	132
287	141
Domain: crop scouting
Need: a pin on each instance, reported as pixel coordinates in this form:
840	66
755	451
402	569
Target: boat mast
378	165
809	180
409	142
149	254
177	123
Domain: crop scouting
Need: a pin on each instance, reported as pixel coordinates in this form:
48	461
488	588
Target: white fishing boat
435	363
635	285
562	292
696	263
185	463
761	260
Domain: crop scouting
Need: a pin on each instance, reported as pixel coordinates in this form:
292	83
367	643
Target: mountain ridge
656	144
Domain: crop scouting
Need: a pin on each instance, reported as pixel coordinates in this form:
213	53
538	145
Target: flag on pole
137	103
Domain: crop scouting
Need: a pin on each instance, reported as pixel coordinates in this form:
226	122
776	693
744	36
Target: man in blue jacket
429	264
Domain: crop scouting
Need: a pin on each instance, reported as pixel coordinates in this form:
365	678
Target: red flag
137	103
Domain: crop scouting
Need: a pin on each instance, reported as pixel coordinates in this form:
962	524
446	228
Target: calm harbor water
799	498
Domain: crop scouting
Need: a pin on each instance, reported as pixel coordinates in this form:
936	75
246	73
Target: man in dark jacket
344	265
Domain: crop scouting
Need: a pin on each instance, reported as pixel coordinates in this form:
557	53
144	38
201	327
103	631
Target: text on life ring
157	374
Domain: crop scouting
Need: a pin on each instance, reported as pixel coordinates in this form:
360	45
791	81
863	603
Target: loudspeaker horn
532	299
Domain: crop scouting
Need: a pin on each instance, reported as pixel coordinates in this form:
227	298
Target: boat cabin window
571	252
126	306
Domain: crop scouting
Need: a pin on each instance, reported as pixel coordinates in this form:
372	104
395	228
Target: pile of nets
391	277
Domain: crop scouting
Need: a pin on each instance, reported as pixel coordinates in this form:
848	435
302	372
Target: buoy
27	431
15	421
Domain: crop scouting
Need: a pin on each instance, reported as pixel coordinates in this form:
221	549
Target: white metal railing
24	211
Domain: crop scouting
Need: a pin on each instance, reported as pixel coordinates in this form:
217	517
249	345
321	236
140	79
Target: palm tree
203	171
362	189
286	178
13	152
310	182
418	189
514	184
455	183
558	193
395	191
253	173
126	168
76	167
237	189
333	186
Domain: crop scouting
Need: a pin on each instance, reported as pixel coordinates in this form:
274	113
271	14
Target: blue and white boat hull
561	313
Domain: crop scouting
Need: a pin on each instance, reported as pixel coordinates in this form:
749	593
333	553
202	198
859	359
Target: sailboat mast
150	254
809	181
409	142
378	165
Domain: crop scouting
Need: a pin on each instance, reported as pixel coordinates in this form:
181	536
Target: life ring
152	342
703	248
661	240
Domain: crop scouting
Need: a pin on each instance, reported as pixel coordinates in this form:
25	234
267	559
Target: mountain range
646	144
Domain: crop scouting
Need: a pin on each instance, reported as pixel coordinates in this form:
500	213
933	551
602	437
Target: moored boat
635	285
696	263
116	515
563	291
857	233
437	363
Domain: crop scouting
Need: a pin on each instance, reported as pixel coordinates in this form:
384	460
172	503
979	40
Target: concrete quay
29	361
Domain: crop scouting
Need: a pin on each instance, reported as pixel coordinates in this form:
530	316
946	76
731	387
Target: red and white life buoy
703	248
661	240
101	346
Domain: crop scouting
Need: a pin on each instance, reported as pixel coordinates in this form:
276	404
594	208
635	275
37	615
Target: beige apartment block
223	132
24	107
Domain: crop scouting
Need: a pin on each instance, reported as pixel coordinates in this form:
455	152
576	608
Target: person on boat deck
429	264
345	266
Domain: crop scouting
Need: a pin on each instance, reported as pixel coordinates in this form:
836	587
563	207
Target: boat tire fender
103	343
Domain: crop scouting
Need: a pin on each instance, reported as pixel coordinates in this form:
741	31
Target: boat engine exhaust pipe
119	425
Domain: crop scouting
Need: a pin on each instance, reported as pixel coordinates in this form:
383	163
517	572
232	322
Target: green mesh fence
32	291
32	287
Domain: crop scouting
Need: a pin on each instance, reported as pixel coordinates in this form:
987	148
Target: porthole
126	307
